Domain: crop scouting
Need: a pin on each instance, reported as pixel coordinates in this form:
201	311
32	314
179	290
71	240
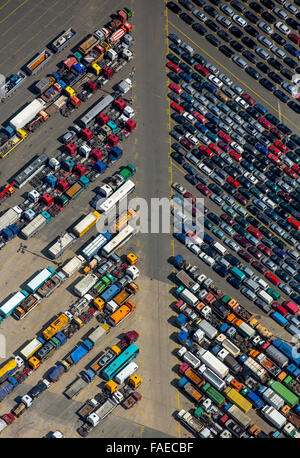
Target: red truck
129	338
132	400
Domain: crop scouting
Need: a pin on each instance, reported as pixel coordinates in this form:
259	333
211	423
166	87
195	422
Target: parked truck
44	84
11	216
88	44
129	402
73	265
36	64
26	402
29	304
191	423
191	375
86	223
27	114
63	242
79	352
63	40
75	388
187	281
13	142
189	389
11	84
56	373
87	408
36	225
101	413
121	313
57	325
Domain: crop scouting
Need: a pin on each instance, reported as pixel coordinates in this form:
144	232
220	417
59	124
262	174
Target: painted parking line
4	4
12	12
233	75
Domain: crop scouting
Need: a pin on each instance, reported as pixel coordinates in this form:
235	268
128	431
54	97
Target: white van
220	248
251	284
265	297
207	259
262	283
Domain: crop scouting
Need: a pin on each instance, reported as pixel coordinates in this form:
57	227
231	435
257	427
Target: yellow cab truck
55	326
132	259
135	381
111	386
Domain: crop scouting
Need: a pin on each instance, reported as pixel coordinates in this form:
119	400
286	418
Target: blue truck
110	293
10	232
279	318
56	373
5	388
80	351
287	350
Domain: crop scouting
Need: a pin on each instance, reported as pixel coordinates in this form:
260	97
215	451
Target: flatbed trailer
49	286
63	40
36	64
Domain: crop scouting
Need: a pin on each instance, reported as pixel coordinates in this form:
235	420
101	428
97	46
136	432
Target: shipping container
86	223
239	400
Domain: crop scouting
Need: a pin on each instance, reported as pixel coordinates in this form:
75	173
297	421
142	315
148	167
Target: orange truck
191	375
120	314
88	44
126	293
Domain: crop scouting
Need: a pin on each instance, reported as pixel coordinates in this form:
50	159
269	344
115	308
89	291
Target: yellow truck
55	326
239	400
135	381
86	224
13	142
111	386
31	348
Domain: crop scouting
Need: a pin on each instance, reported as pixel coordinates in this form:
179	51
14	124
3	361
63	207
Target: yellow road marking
4	4
12	12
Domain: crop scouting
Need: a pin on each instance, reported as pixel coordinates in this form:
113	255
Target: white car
205	169
191	139
239	20
242	102
215	81
188	117
279	52
232	244
194	249
281	13
199	15
216	199
283	28
225	79
291	8
179	188
250	178
237	147
207	259
212	68
290	88
265	27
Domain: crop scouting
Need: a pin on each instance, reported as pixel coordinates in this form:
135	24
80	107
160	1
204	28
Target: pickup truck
132	400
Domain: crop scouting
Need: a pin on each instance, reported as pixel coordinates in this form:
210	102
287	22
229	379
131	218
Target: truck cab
135	381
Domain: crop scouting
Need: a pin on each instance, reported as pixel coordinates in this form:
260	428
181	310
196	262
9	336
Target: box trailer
27	114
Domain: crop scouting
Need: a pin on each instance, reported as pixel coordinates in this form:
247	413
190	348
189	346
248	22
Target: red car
178	108
262	269
224	137
184	142
176	89
281	146
227	219
173	67
248	98
200	117
236	156
241	199
265	250
189	195
244	255
273	279
292	173
215	149
274	158
266	124
254	232
233	182
295	38
255	252
294	223
208	152
285	196
275	150
202	70
204	189
241	240
296	167
277	132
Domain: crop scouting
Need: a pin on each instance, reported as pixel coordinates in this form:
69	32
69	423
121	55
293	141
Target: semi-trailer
11	216
36	225
63	40
192	423
78	385
36	64
63	242
73	265
94	246
85	284
273	416
86	223
27	114
187	281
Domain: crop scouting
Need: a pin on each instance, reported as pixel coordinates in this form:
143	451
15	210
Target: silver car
291	8
212	68
265	41
265	27
224	21
225	79
201	16
239	20
227	10
237	89
239	61
281	13
279	52
232	244
262	53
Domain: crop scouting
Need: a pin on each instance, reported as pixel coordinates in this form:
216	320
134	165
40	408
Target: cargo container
255	400
189	389
73	265
86	224
213	363
271	397
36	64
239	416
277	356
273	416
239	400
99	333
255	369
191	375
63	40
208	329
94	246
212	378
232	364
289	397
27	114
191	359
57	325
110	293
213	394
61	245
188	297
231	348
85	284
36	225
11	216
32	347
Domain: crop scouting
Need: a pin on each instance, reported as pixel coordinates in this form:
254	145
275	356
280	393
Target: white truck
27	114
213	363
189	297
192	423
130	369
11	216
85	284
61	245
73	265
101	413
34	226
274	417
125	85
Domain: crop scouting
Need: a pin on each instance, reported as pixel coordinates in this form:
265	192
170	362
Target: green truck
213	394
289	397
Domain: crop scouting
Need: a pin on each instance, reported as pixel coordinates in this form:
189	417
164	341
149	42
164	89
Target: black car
236	45
281	96
296	139
232	259
210	10
227	51
200	3
174	7
278	38
268	4
294	106
212	25
229	189
256	115
267	84
174	77
246	117
191	179
250	139
286	130
248	42
272	119
186	18
238	6
256	7
290	62
187	4
224	35
213	40
252	72
275	77
268	17
178	157
236	31
263	67
292	23
235	282
250	56
252	18
275	63
176	49
251	30
199	28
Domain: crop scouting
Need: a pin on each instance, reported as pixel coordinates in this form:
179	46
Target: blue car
187	98
189	168
201	127
182	238
176	49
279	252
187	78
249	167
261	148
212	89
292	50
260	108
212	118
